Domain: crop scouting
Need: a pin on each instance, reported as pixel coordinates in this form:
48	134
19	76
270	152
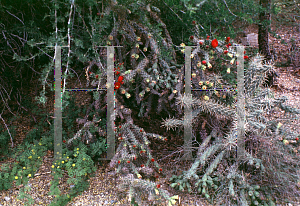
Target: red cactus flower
246	57
214	43
120	79
203	62
117	72
117	85
229	44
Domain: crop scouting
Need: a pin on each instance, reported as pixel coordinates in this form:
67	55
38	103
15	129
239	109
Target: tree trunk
264	25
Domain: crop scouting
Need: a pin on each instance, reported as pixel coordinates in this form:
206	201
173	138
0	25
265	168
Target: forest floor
103	191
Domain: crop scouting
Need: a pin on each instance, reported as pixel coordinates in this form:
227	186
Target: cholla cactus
216	176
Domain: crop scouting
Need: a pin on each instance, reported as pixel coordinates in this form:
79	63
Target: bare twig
12	143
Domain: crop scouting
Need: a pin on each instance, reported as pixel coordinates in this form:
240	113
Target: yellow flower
182	45
200	83
32	150
204	87
194	75
73	165
182	50
138	38
67	157
57	167
29	157
199	64
77	148
52	166
145	49
40	143
175	91
39	157
77	152
83	159
62	162
16	177
110	37
137	45
24	168
206	98
29	175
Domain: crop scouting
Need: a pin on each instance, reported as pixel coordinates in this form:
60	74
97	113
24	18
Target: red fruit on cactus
200	42
134	158
98	14
156	176
203	62
134	145
228	39
141	152
214	43
207	38
297	138
128	161
229	44
225	52
120	126
120	134
141	130
207	46
119	162
160	169
152	160
142	165
166	139
64	141
244	52
117	72
158	186
193	22
97	76
90	72
191	37
246	57
121	138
